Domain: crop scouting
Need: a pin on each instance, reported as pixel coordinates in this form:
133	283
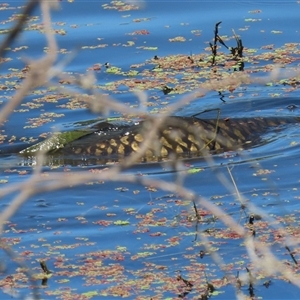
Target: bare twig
13	33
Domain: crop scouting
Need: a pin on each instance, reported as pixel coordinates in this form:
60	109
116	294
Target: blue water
67	227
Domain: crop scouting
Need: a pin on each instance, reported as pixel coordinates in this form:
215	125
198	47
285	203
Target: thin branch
14	32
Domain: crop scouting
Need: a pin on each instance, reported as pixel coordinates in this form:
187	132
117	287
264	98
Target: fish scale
180	136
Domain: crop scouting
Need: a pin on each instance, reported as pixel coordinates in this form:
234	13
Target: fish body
181	137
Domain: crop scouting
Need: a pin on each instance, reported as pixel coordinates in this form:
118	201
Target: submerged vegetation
225	244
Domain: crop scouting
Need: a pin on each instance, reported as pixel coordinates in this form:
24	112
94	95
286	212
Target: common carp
182	137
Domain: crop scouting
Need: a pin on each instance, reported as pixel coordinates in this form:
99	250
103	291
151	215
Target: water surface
117	239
